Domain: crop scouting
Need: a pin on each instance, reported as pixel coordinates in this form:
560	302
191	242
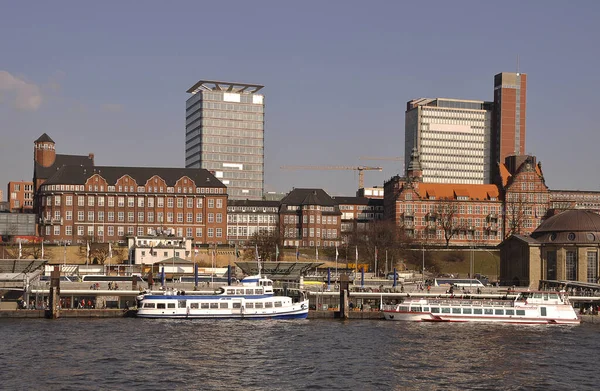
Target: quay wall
119	313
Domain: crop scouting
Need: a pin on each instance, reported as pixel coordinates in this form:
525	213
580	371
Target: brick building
309	218
358	213
76	203
20	196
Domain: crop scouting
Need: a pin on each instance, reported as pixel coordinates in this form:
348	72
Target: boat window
231	291
214	305
477	311
510	312
425	309
170	305
278	304
499	312
520	312
204	306
160	305
258	291
194	306
249	291
537	295
258	305
237	305
403	308
239	291
268	304
467	310
249	305
488	311
554	296
545	296
456	310
415	309
182	303
223	305
543	311
445	310
435	310
149	305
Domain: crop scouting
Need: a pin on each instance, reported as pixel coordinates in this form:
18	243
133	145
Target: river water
145	354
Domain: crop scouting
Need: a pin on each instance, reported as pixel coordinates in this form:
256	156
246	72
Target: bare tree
515	213
446	217
265	242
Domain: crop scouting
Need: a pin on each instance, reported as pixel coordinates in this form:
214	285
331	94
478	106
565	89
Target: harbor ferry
254	298
526	308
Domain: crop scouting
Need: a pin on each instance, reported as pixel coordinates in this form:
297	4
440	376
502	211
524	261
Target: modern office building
508	119
452	137
225	135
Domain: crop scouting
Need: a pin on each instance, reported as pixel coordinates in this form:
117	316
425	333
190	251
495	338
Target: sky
110	78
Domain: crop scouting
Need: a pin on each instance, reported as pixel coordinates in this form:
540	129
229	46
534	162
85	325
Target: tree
265	242
446	218
516	212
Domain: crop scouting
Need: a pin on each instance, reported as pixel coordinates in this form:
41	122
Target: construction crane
394	159
360	169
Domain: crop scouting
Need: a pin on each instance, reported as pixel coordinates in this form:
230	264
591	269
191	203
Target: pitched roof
44	138
308	197
448	191
504	174
349	200
78	175
41	172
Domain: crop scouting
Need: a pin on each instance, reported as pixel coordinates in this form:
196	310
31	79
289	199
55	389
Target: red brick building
80	202
20	196
309	218
358	213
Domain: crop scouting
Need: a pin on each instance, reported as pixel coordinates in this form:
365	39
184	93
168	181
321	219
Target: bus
458	282
105	278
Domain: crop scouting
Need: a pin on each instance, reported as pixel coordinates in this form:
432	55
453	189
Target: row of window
131	201
461	208
138	189
310	232
251	219
309	219
92	217
465	311
99	230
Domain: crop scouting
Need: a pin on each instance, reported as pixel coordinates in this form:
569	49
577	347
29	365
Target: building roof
308	197
41	172
504	174
449	191
215	85
44	138
351	200
77	175
253	203
574	220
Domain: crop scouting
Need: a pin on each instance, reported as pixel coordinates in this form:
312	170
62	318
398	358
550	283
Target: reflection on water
144	354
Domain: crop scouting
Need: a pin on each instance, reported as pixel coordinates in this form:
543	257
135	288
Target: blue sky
110	78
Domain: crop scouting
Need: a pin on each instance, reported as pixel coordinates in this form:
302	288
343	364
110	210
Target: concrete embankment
117	313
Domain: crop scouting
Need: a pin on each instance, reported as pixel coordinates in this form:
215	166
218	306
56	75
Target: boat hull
428	317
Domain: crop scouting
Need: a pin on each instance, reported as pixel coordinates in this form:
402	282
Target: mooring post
344	283
53	310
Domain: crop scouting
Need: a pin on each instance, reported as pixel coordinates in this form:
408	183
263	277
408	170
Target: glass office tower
225	135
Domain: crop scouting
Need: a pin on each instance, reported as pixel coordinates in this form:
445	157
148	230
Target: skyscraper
452	138
508	120
225	135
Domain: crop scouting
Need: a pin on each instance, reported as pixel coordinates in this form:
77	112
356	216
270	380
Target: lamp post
423	270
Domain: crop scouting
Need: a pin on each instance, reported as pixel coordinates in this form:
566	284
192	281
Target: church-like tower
44	151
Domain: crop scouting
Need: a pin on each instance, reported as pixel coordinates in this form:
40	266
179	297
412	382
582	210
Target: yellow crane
393	159
360	169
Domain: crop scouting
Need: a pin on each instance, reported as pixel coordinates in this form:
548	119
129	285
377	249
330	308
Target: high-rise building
508	120
452	138
225	135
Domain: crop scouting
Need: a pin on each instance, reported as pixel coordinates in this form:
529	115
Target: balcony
52	221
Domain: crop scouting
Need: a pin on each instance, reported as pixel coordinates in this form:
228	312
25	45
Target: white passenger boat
253	299
526	308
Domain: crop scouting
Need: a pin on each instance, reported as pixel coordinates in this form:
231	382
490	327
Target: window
188	232
211	203
189	218
180	202
140	217
198	232
79	230
121	216
69	215
169	217
120	231
130	202
90	200
130	217
160	202
169	202
150	202
111	202
211	217
219	218
190	202
219	232
180	217
121	202
69	200
198	202
210	233
57	230
100	216
198	217
90	216
111	216
219	203
100	201
90	230
571	266
80	215
80	201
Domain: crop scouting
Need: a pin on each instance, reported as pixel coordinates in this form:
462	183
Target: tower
44	152
508	118
225	135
